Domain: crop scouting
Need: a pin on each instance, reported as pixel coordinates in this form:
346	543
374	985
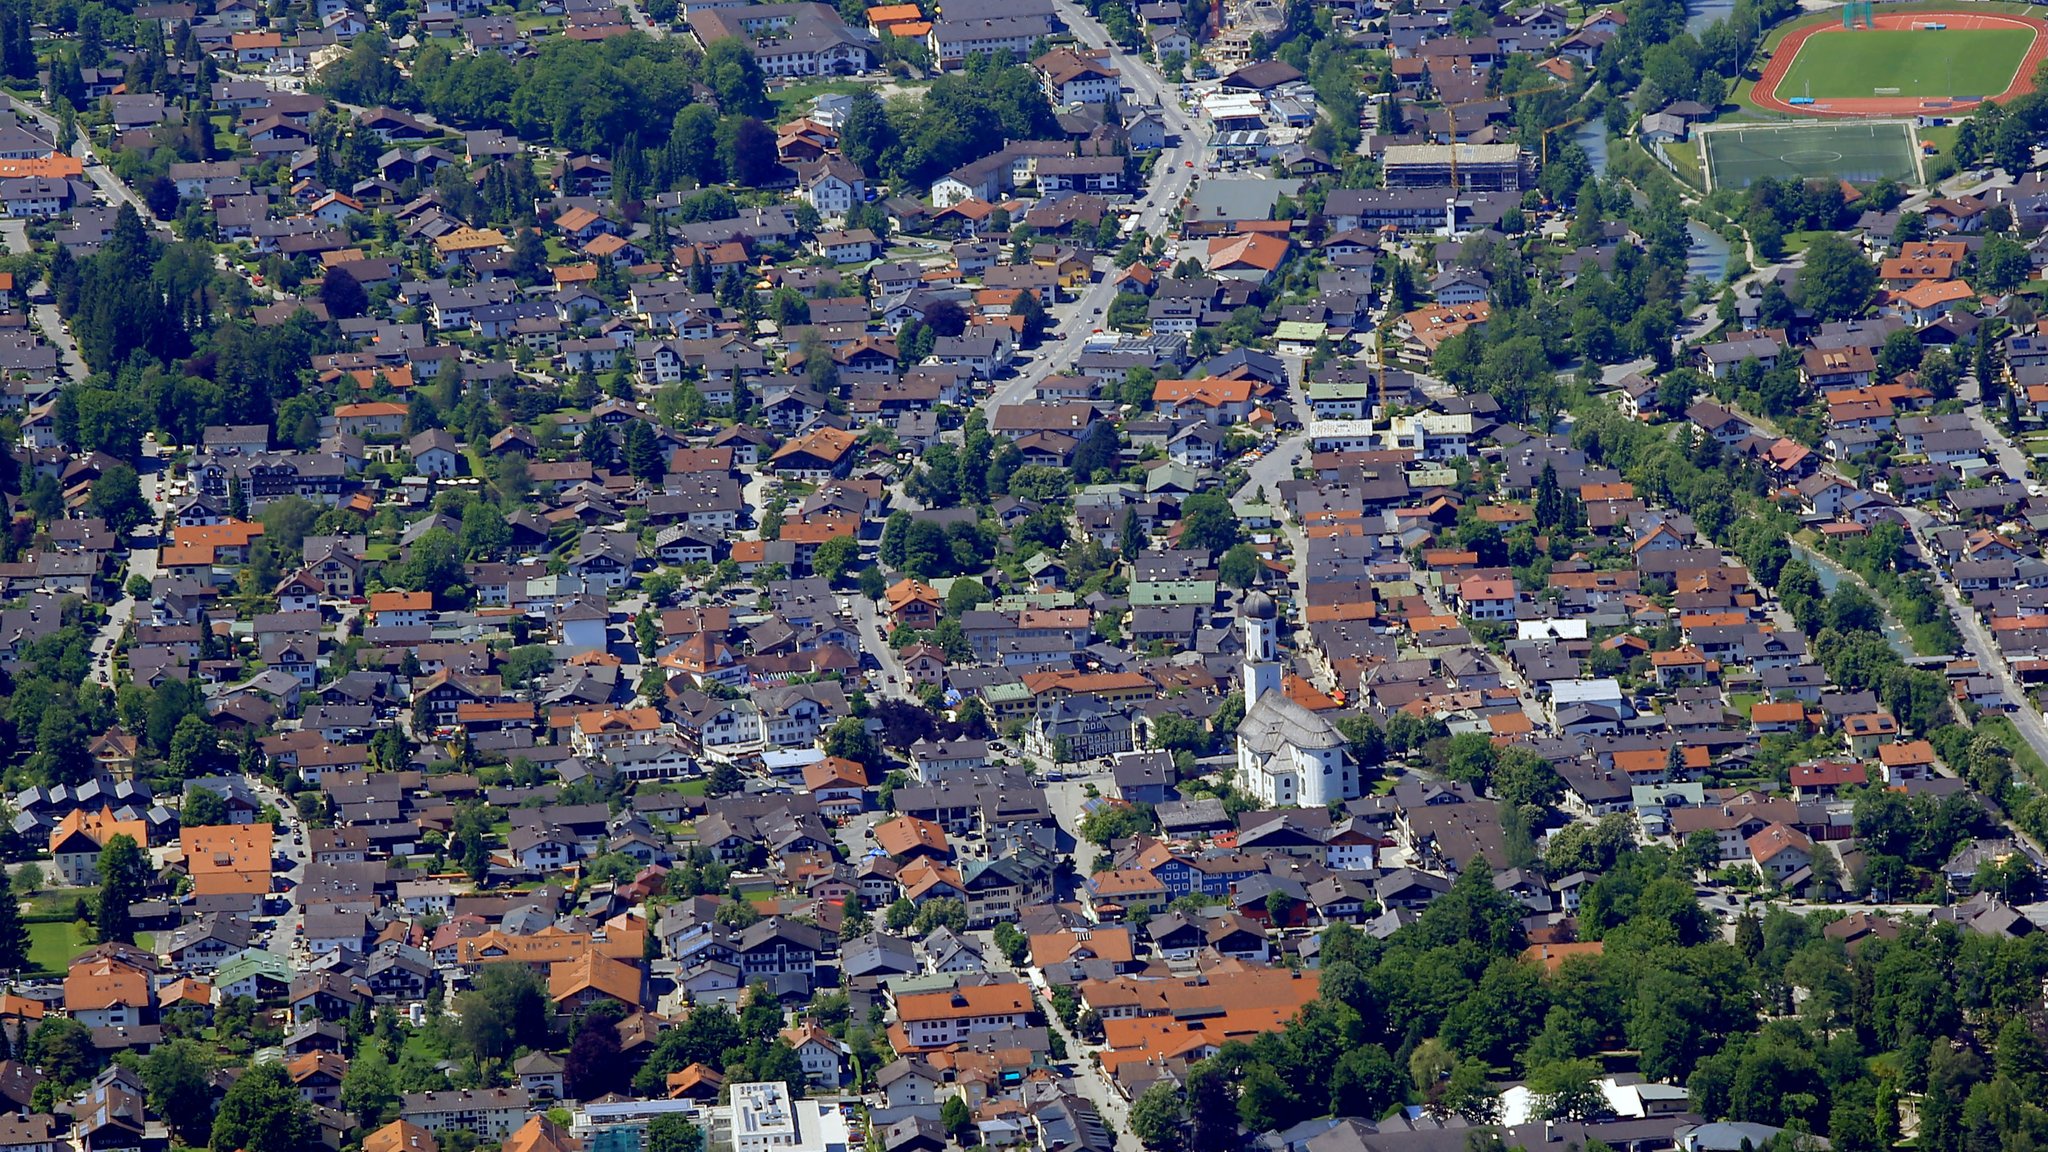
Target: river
1708	255
1830	575
1700	13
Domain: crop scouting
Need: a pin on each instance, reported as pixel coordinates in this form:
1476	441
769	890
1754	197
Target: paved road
2010	459
1088	1080
112	187
1171	177
15	234
142	561
874	639
638	17
1273	469
292	847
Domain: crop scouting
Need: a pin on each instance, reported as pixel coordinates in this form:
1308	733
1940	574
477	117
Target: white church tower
1261	648
1287	755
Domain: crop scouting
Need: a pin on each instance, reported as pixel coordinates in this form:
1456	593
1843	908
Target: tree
2002	266
873	585
178	1078
61	755
724	780
1241	566
965	594
737	914
746	147
369	1089
1100	450
595	1066
944	912
1522	777
671	1133
1264	1101
1568	1090
735	77
117	498
1212	1113
343	295
1901	352
957	1119
835	556
203	808
945	318
641	452
866	137
62	1047
1836	281
194	747
849	739
1158	1117
1208	521
14	938
1365	1081
121	877
263	1112
505	1011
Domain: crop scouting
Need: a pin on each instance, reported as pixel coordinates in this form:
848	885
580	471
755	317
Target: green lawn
1797	242
54	901
2023	753
795	98
51	945
1952	62
1686	158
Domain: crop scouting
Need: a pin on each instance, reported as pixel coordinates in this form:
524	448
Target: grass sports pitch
1858	151
1951	62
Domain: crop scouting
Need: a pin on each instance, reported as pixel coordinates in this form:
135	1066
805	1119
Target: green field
1952	62
52	944
1740	155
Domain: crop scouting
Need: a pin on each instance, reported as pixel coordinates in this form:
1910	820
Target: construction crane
1451	111
1572	123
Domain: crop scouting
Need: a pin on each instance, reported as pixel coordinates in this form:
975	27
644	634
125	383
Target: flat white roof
1399	154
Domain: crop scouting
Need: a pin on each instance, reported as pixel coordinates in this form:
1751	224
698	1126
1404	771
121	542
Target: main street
1172	175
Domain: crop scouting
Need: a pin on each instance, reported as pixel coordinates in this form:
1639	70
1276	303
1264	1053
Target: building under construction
1472	167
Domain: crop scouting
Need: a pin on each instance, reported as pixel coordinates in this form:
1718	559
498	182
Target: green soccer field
1951	62
1857	151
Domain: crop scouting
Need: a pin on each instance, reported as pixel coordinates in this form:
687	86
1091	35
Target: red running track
1765	93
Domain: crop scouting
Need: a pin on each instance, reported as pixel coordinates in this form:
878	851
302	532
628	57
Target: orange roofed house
913	604
1422	330
106	993
937	1019
821	454
400	1136
228	859
1161	1020
1251	257
579	983
400	609
76	841
1217	400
